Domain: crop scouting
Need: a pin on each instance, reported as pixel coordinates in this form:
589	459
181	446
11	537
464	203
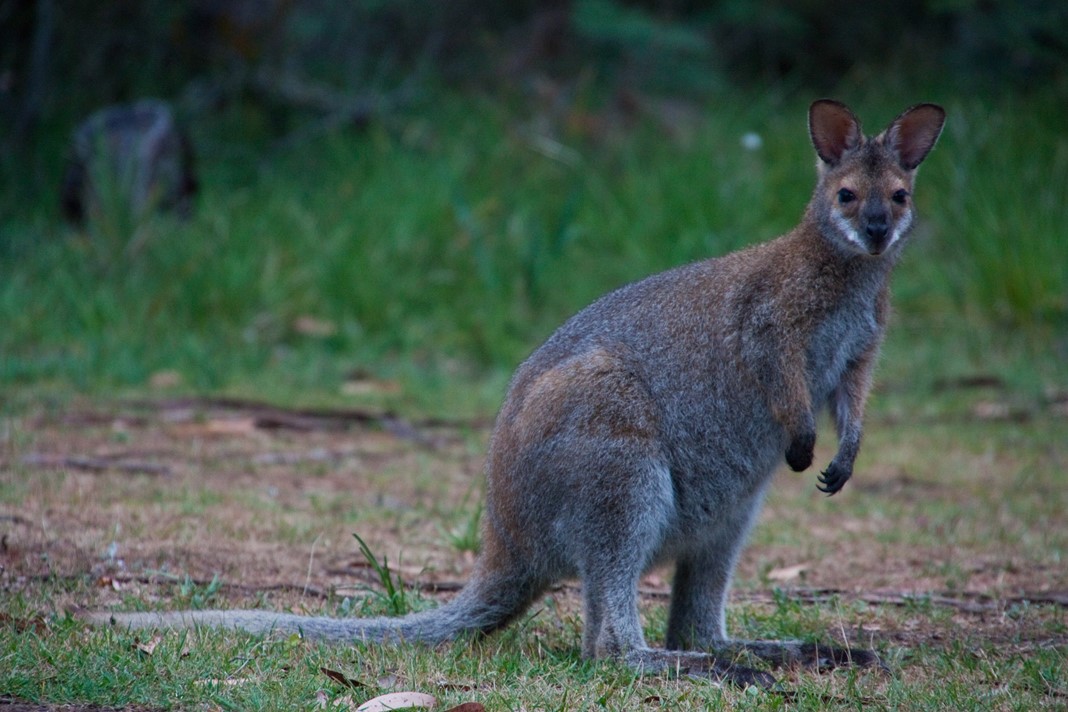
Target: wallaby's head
863	200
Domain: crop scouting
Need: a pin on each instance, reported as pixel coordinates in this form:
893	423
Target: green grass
534	666
443	246
1006	190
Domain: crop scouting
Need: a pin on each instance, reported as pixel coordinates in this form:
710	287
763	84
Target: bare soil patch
136	498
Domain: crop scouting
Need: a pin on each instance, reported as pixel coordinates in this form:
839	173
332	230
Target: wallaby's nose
877	229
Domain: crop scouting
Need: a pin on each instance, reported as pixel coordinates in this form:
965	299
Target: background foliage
424	190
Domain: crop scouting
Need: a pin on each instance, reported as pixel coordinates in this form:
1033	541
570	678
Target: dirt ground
139	496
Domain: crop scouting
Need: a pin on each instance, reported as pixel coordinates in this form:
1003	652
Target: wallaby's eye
845	195
900	196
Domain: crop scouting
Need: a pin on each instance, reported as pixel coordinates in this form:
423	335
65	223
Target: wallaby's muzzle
876	231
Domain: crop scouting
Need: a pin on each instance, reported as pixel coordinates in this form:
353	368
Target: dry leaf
186	650
991	410
314	327
369	387
149	646
654	580
322	701
398	701
231	426
788	573
341	679
217	427
21	625
161	380
467	707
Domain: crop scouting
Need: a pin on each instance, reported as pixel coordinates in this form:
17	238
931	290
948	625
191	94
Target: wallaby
648	427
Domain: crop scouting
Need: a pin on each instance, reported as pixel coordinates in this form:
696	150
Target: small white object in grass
398	701
751	141
788	573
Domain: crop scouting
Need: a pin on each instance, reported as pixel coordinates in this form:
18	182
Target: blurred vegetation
424	190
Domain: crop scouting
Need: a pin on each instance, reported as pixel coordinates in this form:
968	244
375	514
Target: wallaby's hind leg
585	435
610	575
698	601
702	579
624	520
697	620
625	526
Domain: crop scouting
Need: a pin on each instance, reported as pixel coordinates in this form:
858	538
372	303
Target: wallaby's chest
839	339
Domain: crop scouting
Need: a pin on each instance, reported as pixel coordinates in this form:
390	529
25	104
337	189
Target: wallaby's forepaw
800	452
826	657
834	478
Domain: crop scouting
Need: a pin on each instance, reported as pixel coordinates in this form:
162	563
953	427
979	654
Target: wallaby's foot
799	454
694	664
794	653
828	657
834	478
732	673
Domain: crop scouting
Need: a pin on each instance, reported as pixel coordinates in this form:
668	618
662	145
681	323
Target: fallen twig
297	457
271	417
158	577
96	464
966	602
15	519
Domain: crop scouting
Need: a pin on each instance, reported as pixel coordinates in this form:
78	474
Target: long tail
483	606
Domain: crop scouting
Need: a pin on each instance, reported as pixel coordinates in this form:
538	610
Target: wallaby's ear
834	129
913	134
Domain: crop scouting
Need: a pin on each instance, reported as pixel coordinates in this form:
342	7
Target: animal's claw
833	478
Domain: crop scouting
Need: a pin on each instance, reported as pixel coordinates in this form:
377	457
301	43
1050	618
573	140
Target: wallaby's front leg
791	406
801	450
848	403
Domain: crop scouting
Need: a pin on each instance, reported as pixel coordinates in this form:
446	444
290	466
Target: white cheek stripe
901	228
847	230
